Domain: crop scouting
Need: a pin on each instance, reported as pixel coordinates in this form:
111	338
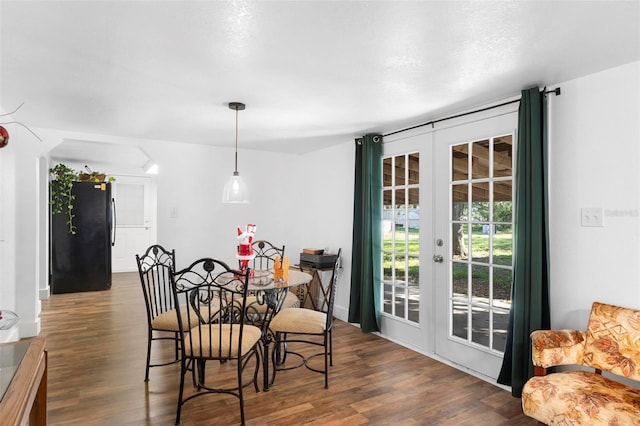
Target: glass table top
10	358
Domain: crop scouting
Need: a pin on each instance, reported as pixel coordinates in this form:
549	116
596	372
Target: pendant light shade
235	190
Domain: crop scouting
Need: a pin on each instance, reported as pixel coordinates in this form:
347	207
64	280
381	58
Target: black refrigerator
82	261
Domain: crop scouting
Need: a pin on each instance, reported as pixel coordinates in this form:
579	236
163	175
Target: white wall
20	219
327	178
7	235
298	201
595	162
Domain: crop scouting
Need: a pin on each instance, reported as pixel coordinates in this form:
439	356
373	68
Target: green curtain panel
530	290
364	305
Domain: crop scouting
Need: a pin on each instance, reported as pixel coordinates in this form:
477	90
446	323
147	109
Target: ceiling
312	74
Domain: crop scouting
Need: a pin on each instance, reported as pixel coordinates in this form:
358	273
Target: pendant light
235	190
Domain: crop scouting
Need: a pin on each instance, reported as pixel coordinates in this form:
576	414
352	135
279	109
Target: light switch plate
592	216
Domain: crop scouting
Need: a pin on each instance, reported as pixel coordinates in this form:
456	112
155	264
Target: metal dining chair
306	327
266	254
214	297
155	267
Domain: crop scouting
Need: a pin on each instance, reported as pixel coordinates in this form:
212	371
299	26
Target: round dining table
269	297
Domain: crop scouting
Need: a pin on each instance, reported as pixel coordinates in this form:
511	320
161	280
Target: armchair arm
556	347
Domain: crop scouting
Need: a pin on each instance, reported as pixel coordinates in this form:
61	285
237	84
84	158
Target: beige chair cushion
580	398
229	346
168	321
299	320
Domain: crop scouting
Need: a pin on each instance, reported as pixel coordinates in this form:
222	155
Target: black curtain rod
555	91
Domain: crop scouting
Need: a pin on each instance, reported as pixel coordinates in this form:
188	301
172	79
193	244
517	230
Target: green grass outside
502	255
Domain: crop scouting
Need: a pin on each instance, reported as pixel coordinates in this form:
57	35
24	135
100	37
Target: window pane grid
481	235
401	186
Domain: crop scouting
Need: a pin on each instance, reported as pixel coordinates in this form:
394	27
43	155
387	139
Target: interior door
135	227
473	241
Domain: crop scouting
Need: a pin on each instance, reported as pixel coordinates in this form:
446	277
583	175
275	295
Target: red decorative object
4	137
245	249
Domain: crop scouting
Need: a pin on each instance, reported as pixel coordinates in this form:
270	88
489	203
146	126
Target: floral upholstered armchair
610	344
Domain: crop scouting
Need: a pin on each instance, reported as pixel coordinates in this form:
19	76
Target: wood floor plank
97	347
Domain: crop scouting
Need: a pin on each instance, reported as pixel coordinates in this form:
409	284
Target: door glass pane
387	267
129	204
502	278
502	204
459	206
401	236
460	279
503	245
400	301
480	159
400	203
480	202
500	321
460	162
480	325
481	241
459	320
400	240
480	283
400	170
387	297
414	170
459	240
502	156
400	268
414	197
414	270
386	172
414	304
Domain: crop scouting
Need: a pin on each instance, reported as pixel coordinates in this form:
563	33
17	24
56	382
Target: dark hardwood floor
97	344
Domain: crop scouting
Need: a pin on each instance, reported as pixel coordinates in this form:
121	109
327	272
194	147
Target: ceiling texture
312	73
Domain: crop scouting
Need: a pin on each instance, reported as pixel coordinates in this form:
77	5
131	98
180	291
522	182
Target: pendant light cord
236	169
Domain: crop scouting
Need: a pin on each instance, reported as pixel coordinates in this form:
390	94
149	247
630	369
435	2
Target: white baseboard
44	293
29	329
341	313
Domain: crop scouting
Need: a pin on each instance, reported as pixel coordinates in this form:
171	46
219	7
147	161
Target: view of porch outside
481	194
401	237
481	240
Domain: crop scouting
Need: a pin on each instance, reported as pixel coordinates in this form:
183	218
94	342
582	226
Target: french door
474	241
447	240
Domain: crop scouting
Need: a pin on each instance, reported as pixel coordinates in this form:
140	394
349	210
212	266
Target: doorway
447	244
134	198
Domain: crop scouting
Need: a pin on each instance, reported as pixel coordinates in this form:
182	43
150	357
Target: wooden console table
25	392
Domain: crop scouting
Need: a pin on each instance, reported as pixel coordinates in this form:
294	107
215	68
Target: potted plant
91	176
61	195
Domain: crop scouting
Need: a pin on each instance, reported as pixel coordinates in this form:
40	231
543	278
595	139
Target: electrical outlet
592	216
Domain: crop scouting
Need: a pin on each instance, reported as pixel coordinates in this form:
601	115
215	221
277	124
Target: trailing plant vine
61	195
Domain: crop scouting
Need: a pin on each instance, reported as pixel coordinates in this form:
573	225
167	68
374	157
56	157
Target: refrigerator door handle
113	222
